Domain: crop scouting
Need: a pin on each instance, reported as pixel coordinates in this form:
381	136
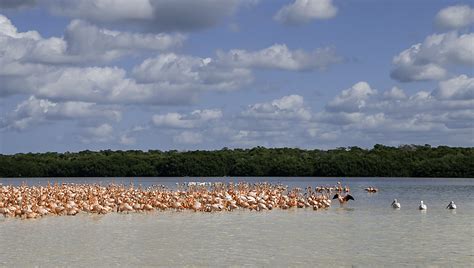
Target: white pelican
451	205
395	204
422	206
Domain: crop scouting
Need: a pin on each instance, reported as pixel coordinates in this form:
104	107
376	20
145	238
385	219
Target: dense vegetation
381	161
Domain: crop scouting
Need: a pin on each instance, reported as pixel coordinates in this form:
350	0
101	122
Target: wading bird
422	206
451	205
371	189
395	204
343	199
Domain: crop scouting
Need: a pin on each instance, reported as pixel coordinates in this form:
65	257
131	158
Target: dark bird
451	205
343	199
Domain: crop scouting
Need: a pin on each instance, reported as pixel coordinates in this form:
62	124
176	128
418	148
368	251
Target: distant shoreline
418	161
203	178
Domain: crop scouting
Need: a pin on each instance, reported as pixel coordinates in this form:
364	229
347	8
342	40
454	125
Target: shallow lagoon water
365	232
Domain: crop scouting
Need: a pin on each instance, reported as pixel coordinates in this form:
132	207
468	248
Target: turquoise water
366	232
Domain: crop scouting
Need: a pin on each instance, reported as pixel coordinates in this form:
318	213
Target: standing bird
451	205
395	204
422	206
343	199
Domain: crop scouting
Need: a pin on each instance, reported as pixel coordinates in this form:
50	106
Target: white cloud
457	88
362	115
86	39
96	84
429	60
44	67
36	111
286	108
195	119
455	17
231	69
303	11
395	94
278	56
359	116
149	15
86	84
127	140
127	137
339	118
274	123
323	135
30	65
15	44
233	135
82	43
352	99
98	134
192	72
188	137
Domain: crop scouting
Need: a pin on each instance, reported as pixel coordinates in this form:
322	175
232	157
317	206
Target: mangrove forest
380	161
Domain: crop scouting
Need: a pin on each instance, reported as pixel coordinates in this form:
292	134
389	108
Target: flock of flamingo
30	202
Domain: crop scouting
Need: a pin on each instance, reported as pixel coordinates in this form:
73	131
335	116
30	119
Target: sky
187	75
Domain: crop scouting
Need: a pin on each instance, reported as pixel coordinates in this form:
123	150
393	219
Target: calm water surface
367	232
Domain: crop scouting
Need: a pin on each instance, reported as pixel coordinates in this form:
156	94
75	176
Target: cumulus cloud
108	85
272	123
279	122
188	137
303	11
395	94
127	140
352	99
187	128
278	56
35	111
429	60
243	136
230	70
455	17
82	43
369	115
30	66
285	108
358	115
191	71
83	38
105	85
195	119
338	118
98	134
457	88
149	15
46	67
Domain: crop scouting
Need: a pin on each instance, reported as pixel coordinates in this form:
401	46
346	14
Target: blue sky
162	74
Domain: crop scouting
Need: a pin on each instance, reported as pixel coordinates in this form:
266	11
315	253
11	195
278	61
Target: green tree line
380	161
